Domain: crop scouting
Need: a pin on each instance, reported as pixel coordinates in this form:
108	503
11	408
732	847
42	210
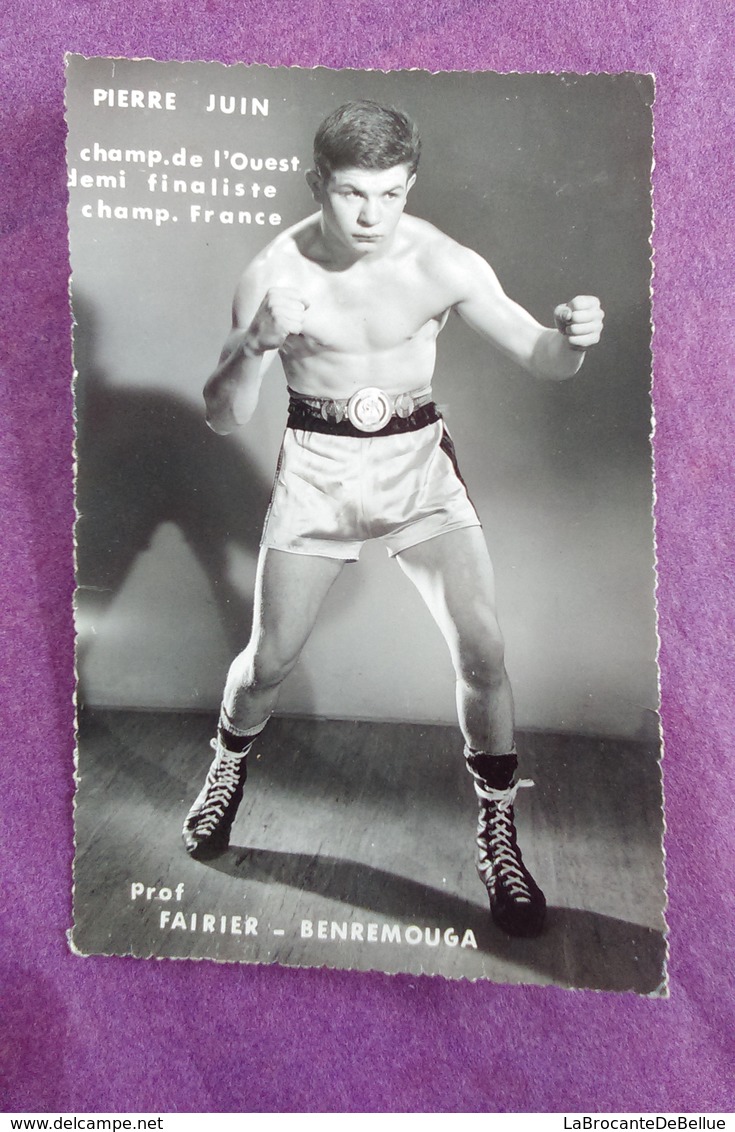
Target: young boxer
353	299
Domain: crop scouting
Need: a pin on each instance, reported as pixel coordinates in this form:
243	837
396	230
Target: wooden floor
359	824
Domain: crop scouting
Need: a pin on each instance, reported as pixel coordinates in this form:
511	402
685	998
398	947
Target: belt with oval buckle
368	410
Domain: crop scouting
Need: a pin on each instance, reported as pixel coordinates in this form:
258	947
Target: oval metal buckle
369	409
404	405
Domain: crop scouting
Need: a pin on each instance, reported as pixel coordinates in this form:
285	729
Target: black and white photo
294	746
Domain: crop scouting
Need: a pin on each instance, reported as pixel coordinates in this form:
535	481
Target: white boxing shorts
334	492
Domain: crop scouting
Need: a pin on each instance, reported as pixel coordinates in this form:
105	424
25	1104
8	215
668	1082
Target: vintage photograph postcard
366	593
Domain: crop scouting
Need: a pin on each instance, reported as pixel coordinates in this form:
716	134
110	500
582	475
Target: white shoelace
223	779
495	840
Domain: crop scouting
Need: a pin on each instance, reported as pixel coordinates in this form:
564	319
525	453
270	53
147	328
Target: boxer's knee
261	667
481	662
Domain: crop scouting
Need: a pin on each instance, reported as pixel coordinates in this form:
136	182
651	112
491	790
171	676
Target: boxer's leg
289	592
454	575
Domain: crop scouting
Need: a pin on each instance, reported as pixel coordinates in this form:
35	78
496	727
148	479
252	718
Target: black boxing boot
207	827
517	904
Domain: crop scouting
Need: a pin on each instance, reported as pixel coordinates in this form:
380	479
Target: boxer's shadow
576	949
146	458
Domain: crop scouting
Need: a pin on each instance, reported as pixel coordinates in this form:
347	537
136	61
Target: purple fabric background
116	1034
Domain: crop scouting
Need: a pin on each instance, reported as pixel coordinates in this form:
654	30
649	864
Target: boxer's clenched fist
281	313
580	321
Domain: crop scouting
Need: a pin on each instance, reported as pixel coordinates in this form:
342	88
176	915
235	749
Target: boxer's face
361	207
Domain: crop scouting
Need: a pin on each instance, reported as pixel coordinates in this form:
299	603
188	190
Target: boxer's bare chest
367	308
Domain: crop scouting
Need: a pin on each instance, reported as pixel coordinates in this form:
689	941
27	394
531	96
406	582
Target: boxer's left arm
545	352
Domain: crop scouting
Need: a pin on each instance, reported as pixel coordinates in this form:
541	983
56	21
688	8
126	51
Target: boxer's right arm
262	317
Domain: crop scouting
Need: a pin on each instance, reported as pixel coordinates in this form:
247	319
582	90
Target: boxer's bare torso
355	296
372	323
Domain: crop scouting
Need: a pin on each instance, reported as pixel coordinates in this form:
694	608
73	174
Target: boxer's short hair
366	135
